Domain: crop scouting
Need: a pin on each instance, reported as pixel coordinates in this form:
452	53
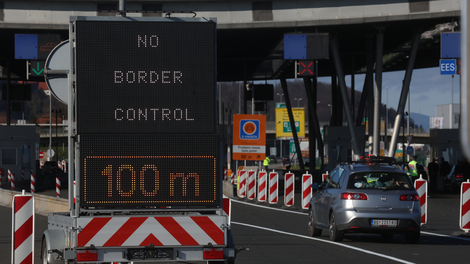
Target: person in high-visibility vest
413	168
266	163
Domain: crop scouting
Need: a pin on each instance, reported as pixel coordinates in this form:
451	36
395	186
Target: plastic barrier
59	165
421	186
230	175
262	186
23	220
9	175
57	187
12	181
251	185
241	184
273	187
289	189
306	190
64	167
225	173
33	183
227	205
465	206
41	164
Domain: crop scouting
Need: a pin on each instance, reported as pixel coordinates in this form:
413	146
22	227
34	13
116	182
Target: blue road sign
450	45
409	150
448	66
249	129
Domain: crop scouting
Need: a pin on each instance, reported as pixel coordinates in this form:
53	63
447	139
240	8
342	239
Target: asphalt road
275	234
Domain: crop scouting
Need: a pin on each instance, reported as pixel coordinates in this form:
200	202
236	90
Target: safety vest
412	166
266	161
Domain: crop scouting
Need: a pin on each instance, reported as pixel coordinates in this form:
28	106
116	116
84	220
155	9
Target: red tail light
87	255
409	197
213	253
459	176
353	196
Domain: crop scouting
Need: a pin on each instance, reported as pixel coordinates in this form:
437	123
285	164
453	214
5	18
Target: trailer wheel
44	253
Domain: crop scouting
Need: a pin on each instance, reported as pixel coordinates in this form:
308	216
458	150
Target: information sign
249	137
146	113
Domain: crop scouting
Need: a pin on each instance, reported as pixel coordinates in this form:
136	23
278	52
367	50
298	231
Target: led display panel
142	171
145	77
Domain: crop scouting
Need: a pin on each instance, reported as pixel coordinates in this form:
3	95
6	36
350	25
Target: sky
427	89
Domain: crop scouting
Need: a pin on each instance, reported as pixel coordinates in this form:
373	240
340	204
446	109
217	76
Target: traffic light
306	68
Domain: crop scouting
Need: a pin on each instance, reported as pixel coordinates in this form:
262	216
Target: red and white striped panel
323	176
262	186
306	190
273	187
289	189
57	187
41	164
465	206
241	186
64	167
143	231
33	183
251	185
421	187
22	245
9	175
59	165
12	181
227	206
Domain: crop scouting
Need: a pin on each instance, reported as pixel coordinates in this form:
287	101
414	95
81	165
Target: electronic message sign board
146	113
145	77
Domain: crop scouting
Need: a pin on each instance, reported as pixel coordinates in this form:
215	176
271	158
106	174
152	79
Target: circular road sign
41	154
409	150
58	60
50	152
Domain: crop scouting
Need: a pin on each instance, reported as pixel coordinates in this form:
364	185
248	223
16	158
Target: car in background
373	195
459	173
273	159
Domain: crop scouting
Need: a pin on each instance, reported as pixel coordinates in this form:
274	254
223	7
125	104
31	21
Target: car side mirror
315	186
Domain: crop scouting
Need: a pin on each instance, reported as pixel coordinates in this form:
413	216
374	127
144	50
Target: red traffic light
306	68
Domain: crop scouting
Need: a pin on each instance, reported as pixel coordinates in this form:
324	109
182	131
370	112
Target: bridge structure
368	37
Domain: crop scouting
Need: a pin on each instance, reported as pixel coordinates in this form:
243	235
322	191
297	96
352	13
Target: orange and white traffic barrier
241	184
465	206
23	219
273	187
262	186
33	183
289	189
306	190
12	181
64	167
9	175
421	186
323	176
251	185
57	187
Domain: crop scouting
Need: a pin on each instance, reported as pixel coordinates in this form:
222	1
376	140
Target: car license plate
383	223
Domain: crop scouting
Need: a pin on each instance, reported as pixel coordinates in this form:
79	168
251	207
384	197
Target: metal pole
452	105
409	114
50	123
377	93
404	92
386	123
344	96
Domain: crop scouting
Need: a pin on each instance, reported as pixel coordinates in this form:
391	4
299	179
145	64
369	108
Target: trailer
145	174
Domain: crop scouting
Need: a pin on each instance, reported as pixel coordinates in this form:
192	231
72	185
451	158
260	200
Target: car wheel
335	234
44	253
386	236
312	229
412	238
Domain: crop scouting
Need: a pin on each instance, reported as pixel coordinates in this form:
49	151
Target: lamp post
56	111
298	101
280	96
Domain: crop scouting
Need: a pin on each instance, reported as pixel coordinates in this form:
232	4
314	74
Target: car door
322	199
332	197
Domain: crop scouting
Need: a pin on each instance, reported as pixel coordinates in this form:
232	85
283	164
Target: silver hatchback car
373	195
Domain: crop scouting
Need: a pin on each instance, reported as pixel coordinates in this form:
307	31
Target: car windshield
379	181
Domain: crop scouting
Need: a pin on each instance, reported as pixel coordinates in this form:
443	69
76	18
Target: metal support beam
344	96
314	125
368	80
292	123
378	92
404	91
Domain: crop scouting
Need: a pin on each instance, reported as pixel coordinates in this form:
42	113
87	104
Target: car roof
373	167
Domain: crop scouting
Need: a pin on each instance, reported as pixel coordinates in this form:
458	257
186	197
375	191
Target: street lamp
298	101
280	96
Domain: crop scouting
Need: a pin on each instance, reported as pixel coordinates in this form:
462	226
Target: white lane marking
266	207
301	213
327	241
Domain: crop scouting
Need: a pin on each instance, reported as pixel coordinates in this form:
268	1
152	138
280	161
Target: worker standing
266	163
413	168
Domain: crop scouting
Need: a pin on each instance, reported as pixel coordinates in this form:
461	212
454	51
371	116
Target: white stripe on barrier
23	218
289	189
306	190
273	187
241	184
262	186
